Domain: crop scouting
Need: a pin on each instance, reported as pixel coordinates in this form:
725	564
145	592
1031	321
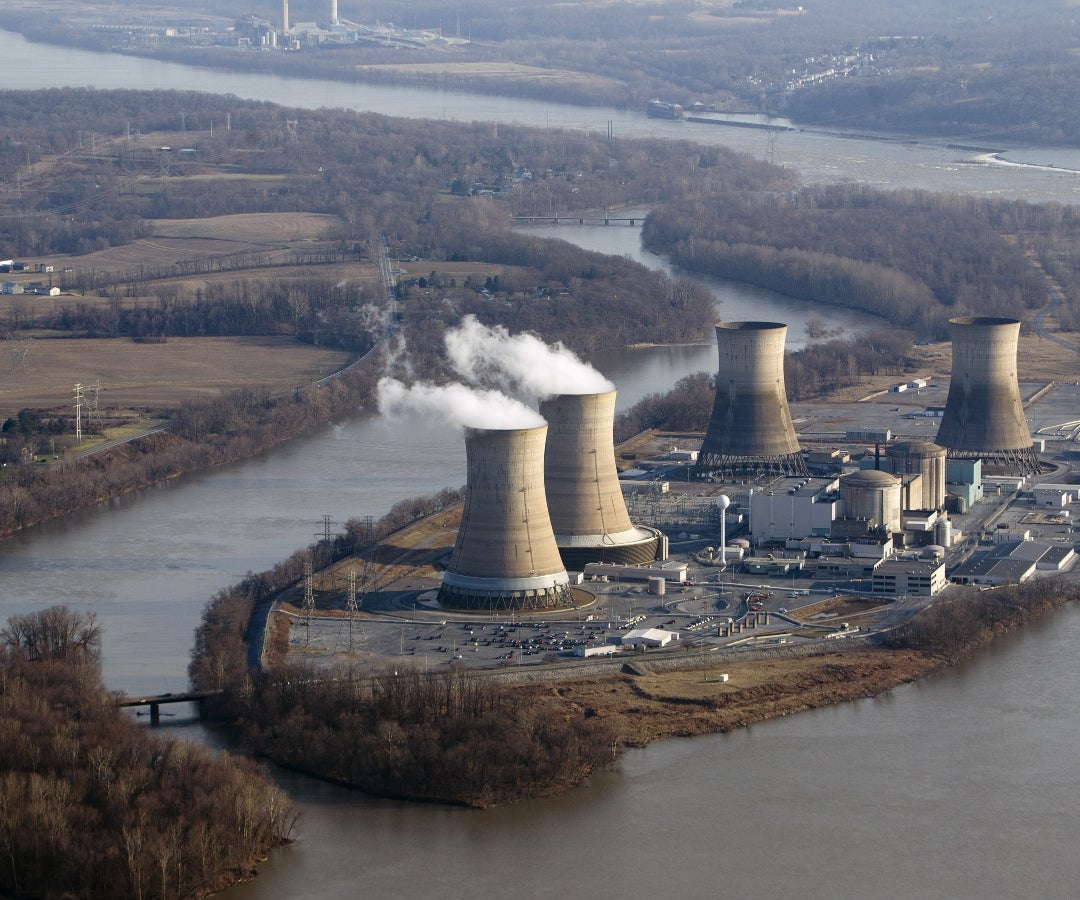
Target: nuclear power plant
584	497
750	429
505	556
984	416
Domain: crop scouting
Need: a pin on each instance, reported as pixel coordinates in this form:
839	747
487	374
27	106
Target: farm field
140	376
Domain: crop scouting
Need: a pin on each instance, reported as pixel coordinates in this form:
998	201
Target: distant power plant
750	429
505	556
984	416
585	500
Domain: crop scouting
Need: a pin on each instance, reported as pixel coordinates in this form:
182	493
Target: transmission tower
93	394
78	413
308	610
351	626
324	535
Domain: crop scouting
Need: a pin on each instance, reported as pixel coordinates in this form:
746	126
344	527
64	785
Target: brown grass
644	708
159	375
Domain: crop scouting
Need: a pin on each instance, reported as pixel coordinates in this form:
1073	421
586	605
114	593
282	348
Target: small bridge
577	220
156	701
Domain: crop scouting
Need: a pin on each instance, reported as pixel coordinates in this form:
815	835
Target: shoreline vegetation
92	804
485	739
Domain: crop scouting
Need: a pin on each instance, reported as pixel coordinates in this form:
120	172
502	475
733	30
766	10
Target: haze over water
963	785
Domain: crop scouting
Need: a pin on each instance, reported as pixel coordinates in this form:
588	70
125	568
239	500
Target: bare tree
54	633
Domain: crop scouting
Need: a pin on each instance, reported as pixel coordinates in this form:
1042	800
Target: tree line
91	805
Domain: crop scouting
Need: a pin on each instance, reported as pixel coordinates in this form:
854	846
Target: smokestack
333	12
284	16
750	429
585	500
984	415
505	556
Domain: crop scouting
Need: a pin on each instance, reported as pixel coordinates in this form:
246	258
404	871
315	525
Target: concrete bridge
156	701
577	220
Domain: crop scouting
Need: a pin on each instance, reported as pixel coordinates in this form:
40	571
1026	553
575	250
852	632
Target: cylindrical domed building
921	458
872	495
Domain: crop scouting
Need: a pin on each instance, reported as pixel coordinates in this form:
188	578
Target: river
961	785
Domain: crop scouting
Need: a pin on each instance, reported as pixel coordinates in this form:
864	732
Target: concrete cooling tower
984	416
585	500
750	428
505	556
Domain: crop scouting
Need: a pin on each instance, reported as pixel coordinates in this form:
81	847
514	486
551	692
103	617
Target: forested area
914	258
91	805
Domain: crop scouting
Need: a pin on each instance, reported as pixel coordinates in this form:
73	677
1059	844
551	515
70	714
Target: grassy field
143	376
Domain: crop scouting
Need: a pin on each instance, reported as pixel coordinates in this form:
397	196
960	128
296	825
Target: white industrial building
794	508
669	571
645	638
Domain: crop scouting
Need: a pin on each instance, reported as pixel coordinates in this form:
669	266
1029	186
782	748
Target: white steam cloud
520	363
457	404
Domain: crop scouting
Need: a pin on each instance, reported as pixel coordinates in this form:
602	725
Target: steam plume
457	404
521	363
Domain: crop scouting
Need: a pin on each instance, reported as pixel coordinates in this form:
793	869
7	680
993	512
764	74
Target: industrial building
794	508
584	497
908	578
505	556
984	415
750	429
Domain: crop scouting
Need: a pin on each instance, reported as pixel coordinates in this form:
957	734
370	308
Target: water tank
657	585
873	495
943	532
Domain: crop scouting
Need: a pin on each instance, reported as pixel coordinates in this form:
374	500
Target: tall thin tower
505	556
984	415
585	500
284	16
333	12
750	429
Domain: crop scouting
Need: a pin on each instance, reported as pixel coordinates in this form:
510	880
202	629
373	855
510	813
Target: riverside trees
91	804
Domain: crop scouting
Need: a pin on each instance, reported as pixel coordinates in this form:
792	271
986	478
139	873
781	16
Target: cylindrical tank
505	555
921	458
657	585
984	415
933	551
943	532
585	500
874	495
750	427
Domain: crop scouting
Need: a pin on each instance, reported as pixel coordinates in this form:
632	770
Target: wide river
963	785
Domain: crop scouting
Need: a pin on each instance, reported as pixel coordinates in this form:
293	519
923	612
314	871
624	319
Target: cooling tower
750	428
921	458
984	416
585	500
505	556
